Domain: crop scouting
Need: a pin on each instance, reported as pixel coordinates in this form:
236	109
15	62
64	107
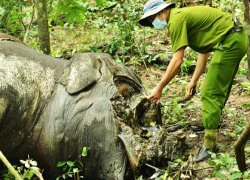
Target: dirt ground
234	116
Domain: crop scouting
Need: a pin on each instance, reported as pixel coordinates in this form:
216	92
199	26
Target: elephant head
52	108
92	95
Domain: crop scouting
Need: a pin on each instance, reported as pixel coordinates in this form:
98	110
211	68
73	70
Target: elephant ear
83	73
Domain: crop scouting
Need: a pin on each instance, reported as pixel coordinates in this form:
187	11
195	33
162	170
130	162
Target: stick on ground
10	167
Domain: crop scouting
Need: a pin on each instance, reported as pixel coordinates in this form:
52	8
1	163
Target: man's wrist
193	81
160	86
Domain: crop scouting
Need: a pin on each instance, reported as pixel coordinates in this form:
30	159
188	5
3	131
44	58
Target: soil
235	115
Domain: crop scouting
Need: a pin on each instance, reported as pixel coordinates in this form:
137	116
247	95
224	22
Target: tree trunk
43	28
209	2
247	20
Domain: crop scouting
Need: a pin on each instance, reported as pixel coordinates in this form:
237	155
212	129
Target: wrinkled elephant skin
51	108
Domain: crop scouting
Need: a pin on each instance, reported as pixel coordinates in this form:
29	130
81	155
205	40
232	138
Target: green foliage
119	17
28	170
84	152
237	131
226	167
102	3
120	21
125	21
11	17
243	66
157	59
68	12
188	63
231	6
234	115
246	87
237	119
77	12
166	174
173	112
70	169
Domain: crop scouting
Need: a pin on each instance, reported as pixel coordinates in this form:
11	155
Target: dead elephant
51	108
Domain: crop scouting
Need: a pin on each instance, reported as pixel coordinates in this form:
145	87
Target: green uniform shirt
199	27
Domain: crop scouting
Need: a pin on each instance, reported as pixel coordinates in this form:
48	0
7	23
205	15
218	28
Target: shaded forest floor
235	115
180	118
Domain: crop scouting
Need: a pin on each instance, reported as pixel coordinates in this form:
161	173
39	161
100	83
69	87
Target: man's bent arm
172	69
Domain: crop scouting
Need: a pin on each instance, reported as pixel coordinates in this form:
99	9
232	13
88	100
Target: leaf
213	155
29	174
217	162
61	164
247	105
75	170
232	134
35	168
84	152
140	178
246	174
246	84
219	175
33	163
27	165
70	163
99	2
236	175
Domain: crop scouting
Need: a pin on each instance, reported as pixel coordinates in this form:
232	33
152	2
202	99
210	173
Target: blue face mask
159	24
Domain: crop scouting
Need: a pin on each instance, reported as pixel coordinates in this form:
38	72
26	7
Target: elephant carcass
51	109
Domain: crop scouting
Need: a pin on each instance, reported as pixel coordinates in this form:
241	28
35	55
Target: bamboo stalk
10	167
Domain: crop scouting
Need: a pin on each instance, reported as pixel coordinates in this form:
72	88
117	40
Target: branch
239	148
247	20
10	167
155	168
50	6
29	26
246	11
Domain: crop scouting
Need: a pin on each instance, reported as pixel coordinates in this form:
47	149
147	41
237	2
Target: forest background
62	28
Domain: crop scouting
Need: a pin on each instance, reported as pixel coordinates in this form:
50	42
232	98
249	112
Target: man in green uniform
204	29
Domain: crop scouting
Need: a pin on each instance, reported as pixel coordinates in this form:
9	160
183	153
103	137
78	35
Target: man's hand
199	69
155	95
189	88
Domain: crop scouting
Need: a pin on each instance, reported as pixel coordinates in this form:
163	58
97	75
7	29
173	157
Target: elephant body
51	108
27	82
